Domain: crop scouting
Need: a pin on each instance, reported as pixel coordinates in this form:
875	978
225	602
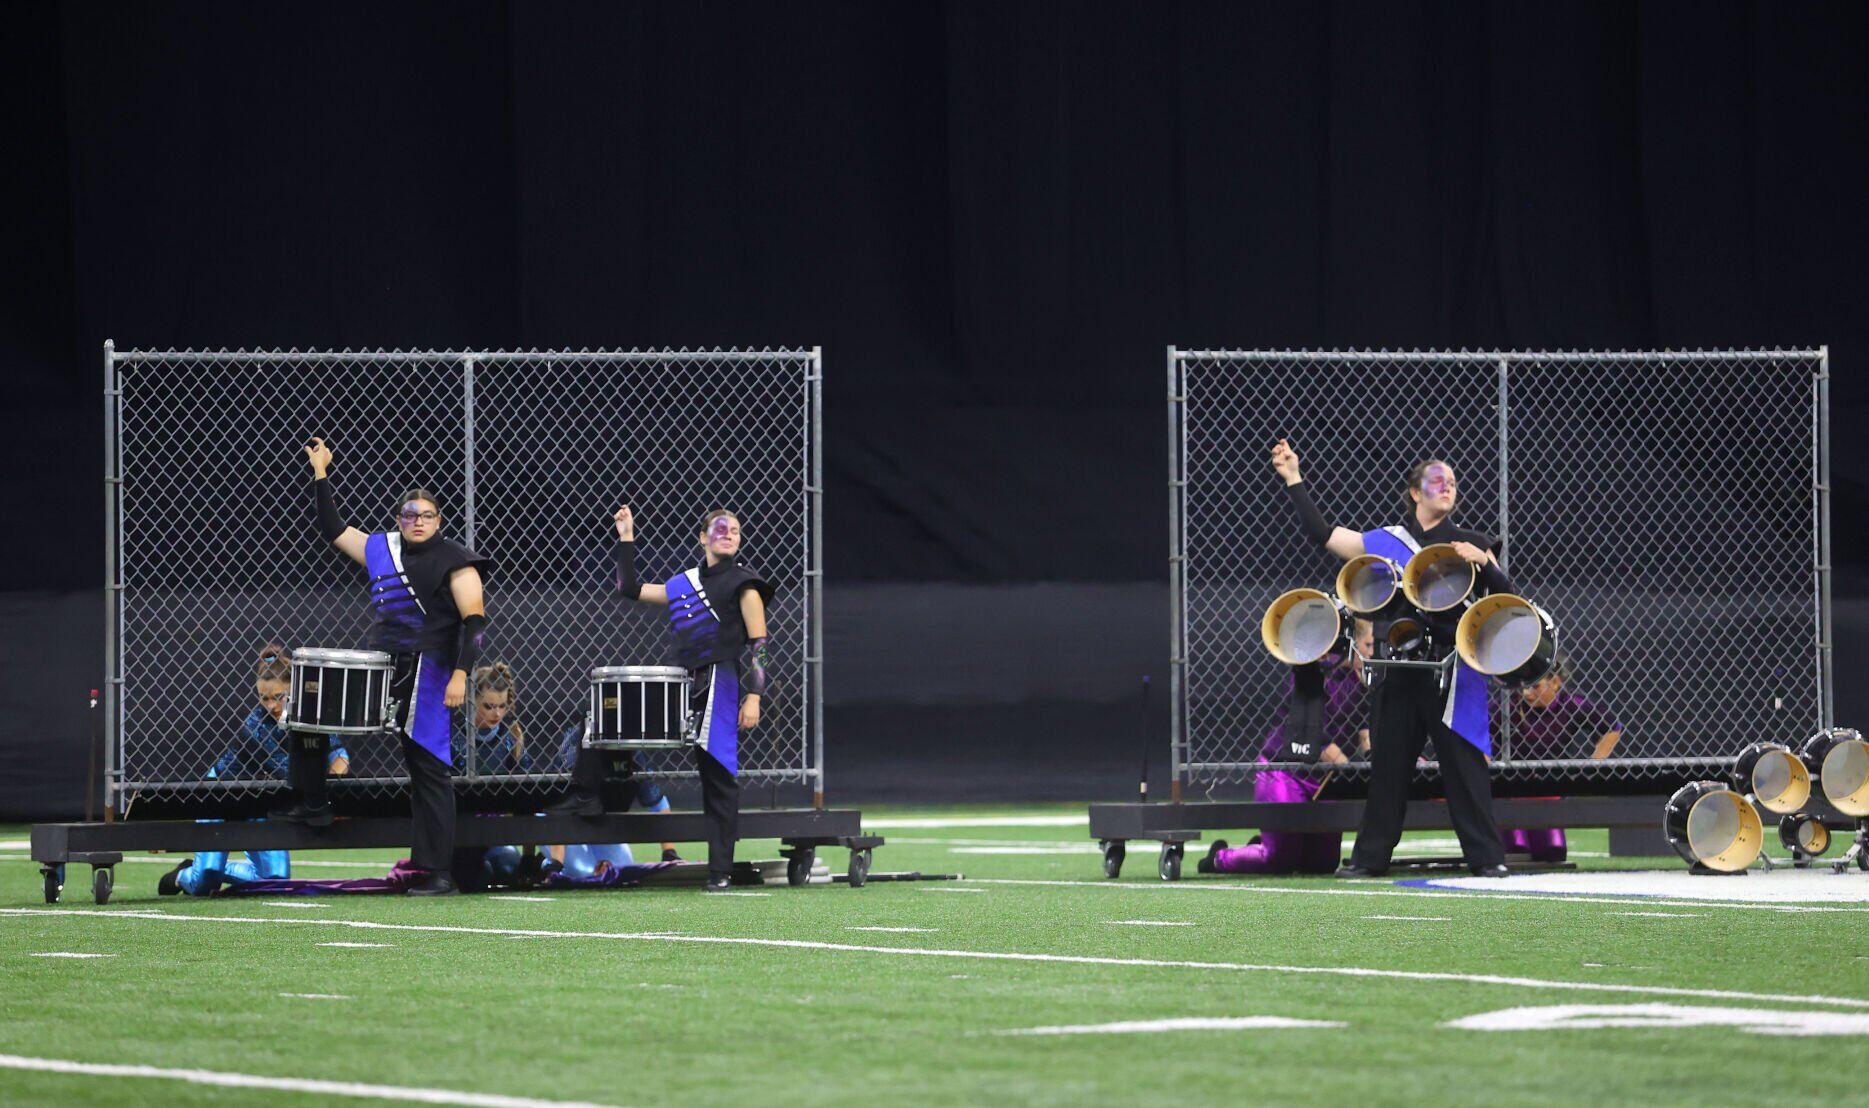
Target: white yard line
950	890
1372	888
1660	915
1184	1023
227	1080
316	996
295	904
966	955
69	954
1152	922
1417	919
898	930
527	899
360	946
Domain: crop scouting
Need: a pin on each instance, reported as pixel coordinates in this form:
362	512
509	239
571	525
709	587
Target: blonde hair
275	663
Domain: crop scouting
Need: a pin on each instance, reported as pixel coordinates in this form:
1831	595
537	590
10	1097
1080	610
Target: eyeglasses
419	517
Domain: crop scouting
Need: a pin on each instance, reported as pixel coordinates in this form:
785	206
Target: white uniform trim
394	540
694	579
1402	535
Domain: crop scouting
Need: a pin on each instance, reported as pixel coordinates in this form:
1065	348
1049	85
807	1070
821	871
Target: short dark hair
419	493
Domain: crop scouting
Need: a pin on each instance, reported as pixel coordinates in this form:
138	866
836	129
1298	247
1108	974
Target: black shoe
717	883
576	804
669	855
1351	869
170	883
1207	864
435	884
1491	871
321	816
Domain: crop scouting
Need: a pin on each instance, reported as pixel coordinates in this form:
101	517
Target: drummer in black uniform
1410	706
425	594
717	618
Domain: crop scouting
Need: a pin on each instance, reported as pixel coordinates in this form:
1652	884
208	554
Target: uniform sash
1464	711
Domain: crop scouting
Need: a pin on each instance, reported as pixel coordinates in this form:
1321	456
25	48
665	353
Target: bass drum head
1437	579
1505	636
1774	776
1302	626
1845	774
352	659
1368	583
1711	825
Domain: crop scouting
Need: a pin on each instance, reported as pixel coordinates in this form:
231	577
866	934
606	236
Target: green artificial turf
616	1019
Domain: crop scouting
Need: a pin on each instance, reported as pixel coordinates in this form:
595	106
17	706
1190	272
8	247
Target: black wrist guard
1310	520
329	522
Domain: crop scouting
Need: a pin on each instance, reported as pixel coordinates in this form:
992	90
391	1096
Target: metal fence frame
1184	768
119	792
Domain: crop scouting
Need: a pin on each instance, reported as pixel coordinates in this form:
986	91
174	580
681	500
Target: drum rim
1303	594
330	656
612	673
1703	791
1395	589
1746	769
1442	552
1483	609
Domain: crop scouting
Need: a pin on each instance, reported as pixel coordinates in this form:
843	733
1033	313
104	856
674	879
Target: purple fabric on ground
1283	851
1546	844
607	876
401	876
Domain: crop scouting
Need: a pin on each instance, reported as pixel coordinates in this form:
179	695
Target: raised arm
336	532
625	553
1341	541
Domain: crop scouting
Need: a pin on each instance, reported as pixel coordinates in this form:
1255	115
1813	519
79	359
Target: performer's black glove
1310	520
473	636
627	583
329	522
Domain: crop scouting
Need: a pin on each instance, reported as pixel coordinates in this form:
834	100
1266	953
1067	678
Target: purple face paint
1437	481
721	529
413	513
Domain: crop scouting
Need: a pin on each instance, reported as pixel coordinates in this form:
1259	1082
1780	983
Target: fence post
113	580
814	568
1505	521
1177	571
1825	630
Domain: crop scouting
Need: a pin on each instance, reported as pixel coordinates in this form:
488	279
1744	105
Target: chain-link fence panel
1666	509
1663	509
214	552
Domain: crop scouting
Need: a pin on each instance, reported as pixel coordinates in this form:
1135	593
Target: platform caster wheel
859	868
101	881
53	886
1170	865
798	867
1113	854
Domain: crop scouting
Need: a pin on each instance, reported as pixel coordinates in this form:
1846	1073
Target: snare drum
639	708
338	692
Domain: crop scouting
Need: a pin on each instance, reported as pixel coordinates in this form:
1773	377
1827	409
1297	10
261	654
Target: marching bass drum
1712	826
1507	637
1840	759
1304	625
1772	775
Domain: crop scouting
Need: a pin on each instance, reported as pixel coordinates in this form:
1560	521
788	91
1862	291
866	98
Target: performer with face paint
1410	708
425	594
717	618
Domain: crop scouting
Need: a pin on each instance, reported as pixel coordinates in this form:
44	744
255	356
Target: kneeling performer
717	617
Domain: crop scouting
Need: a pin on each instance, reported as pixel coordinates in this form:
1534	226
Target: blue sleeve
337	751
648	794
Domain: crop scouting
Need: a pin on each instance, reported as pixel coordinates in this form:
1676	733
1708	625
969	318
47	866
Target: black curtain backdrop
992	216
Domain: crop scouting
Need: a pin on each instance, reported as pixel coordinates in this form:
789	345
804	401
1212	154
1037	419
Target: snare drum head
639	673
1367	583
320	656
1437	578
1302	626
1499	634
